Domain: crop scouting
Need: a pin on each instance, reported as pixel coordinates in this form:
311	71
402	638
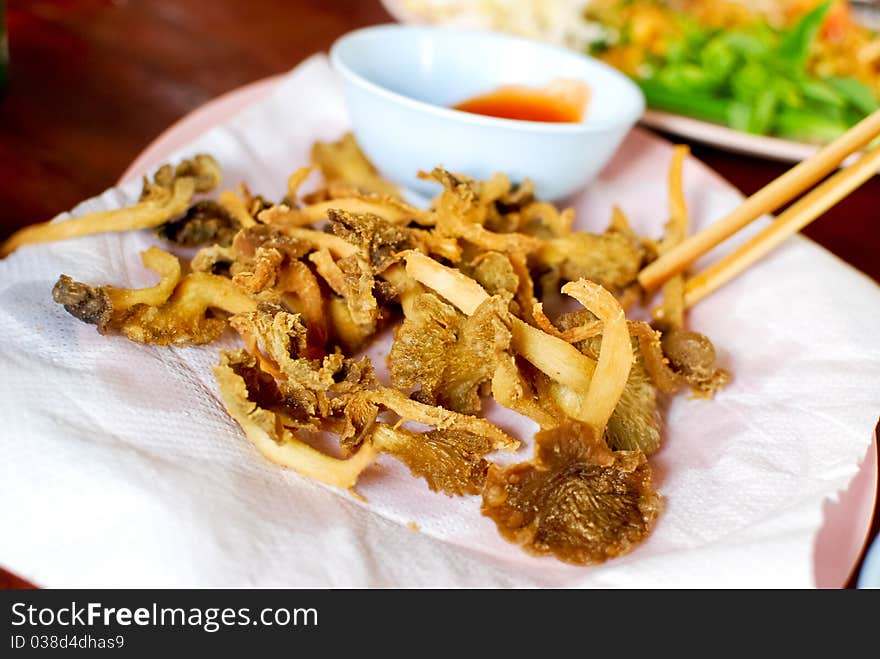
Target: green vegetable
749	81
807	126
856	92
763	112
821	92
796	41
755	79
718	59
788	92
684	78
695	104
739	116
747	45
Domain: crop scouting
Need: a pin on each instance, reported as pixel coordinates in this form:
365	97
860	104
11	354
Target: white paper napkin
120	467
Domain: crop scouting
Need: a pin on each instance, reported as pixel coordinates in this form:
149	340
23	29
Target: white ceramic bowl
400	81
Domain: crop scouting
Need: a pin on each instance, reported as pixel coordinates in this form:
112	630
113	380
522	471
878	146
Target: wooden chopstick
766	200
795	218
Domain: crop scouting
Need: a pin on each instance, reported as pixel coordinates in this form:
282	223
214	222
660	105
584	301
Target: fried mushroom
611	259
312	387
576	500
104	305
692	356
450	461
205	222
447	355
247	392
343	162
379	241
187	318
439	417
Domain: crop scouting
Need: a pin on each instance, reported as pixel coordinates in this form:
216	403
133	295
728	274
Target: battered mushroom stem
143	215
615	356
168	196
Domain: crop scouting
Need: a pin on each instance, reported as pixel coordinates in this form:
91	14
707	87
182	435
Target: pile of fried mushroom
492	293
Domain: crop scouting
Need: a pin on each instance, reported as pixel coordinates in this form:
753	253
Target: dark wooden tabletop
92	82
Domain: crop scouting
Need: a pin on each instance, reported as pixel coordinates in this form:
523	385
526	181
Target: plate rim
225	106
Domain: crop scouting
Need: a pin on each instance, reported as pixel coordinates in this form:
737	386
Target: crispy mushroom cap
206	222
90	304
108	306
379	241
692	356
576	500
448	355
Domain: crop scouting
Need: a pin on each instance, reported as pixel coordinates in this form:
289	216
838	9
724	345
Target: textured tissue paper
121	468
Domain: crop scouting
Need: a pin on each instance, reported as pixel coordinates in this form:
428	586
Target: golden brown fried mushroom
391	209
611	259
378	241
612	368
448	355
635	422
168	196
294	183
561	361
239	380
670	313
511	388
143	215
543	220
299	290
214	259
440	418
338	247
205	222
494	272
692	356
418	356
358	292
237	208
107	305
344	162
186	317
311	387
329	271
461	210
450	461
274	336
576	500
582	330
104	305
655	363
174	311
202	168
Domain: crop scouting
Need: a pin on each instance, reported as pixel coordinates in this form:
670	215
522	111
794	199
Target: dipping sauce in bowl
401	83
561	101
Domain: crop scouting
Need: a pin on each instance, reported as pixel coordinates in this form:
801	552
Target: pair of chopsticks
769	198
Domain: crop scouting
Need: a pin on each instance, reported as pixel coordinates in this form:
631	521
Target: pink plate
847	521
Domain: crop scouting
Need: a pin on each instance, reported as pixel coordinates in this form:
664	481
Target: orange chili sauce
524	104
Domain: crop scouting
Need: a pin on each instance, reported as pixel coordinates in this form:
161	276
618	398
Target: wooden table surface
92	82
